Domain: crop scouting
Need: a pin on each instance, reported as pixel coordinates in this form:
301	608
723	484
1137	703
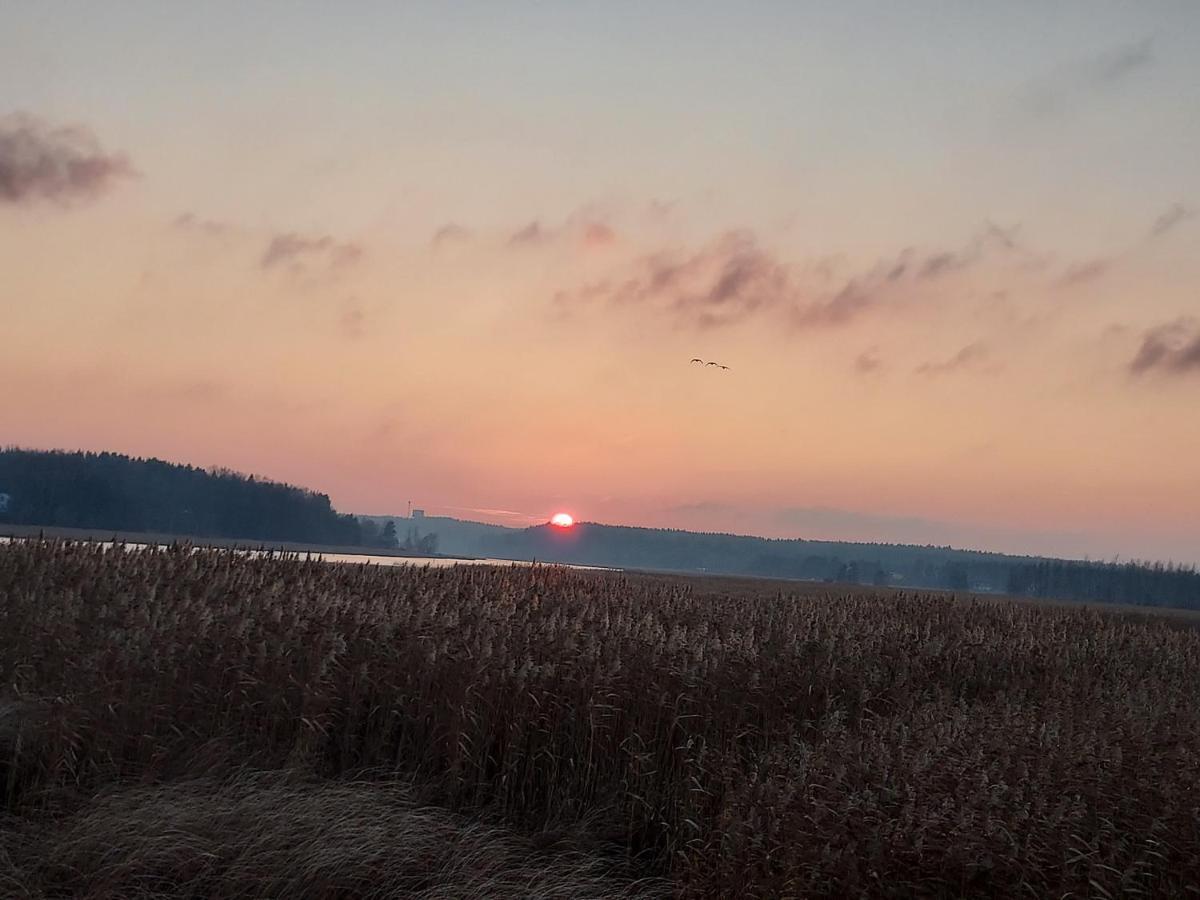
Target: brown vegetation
270	835
741	742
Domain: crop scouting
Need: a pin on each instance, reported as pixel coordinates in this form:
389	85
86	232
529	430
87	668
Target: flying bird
697	359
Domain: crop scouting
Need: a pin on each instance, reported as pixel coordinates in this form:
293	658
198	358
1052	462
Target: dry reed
742	742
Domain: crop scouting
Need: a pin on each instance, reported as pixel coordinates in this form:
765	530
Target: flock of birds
696	359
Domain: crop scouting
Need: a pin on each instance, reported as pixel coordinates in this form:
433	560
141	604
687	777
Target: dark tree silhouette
122	493
388	537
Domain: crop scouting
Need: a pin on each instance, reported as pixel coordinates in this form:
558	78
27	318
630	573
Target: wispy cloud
733	278
1120	62
522	517
450	233
730	279
843	307
1082	273
290	249
54	162
942	263
1088	271
868	362
191	222
832	524
532	234
991	238
968	357
597	234
1060	93
727	281
1172	348
586	227
825	523
1170	219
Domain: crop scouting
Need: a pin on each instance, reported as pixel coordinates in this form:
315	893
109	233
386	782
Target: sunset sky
462	253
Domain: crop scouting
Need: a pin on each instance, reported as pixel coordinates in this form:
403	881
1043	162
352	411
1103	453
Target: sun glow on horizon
562	520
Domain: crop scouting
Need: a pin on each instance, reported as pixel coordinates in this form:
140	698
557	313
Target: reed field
198	723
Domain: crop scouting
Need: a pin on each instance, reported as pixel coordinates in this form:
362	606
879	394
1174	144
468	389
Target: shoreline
62	532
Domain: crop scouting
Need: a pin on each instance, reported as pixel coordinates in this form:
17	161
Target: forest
894	565
1139	584
123	493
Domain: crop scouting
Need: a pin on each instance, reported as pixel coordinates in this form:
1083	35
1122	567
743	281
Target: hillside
686	551
123	493
895	565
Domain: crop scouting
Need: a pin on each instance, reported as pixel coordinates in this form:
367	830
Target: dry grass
268	836
751	743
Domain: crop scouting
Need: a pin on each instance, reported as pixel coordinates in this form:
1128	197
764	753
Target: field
195	723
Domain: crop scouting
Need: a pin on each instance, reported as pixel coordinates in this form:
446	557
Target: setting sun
562	520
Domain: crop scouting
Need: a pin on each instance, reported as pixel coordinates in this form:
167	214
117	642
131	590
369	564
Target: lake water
379	560
436	561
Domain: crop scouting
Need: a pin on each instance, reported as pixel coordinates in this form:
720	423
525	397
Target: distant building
418	513
4	500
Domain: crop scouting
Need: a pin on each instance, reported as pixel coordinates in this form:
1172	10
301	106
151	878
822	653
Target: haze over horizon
949	253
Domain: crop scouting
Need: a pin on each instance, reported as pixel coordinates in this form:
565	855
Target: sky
462	253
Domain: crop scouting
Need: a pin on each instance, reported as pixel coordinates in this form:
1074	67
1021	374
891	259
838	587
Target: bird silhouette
697	359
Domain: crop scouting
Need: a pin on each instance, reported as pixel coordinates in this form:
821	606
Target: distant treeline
1140	584
122	493
730	554
897	565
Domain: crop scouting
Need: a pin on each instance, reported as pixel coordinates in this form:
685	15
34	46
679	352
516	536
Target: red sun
562	520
